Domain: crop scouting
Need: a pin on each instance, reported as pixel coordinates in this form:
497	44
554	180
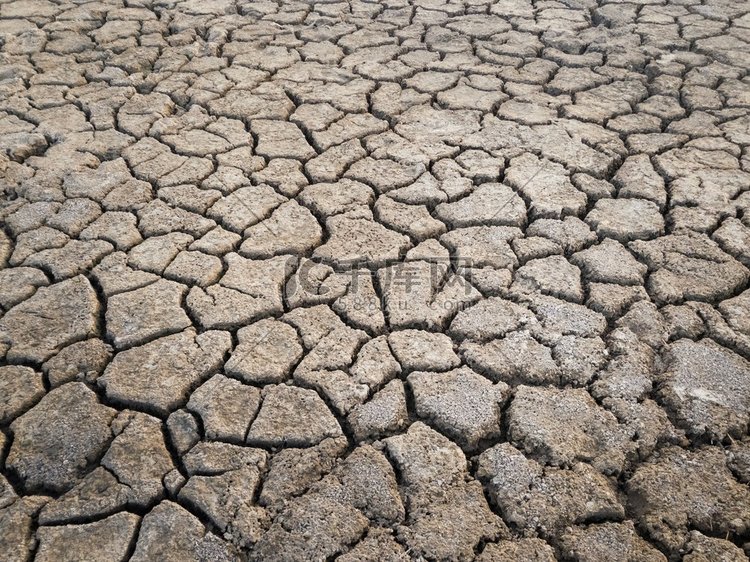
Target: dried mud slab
418	280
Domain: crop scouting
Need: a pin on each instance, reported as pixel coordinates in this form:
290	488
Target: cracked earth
386	281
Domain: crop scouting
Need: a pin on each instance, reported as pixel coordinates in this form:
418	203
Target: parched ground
387	281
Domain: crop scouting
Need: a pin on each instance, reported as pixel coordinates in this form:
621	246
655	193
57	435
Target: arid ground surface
386	281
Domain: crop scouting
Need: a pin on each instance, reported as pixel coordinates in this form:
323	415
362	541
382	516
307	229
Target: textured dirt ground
387	281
